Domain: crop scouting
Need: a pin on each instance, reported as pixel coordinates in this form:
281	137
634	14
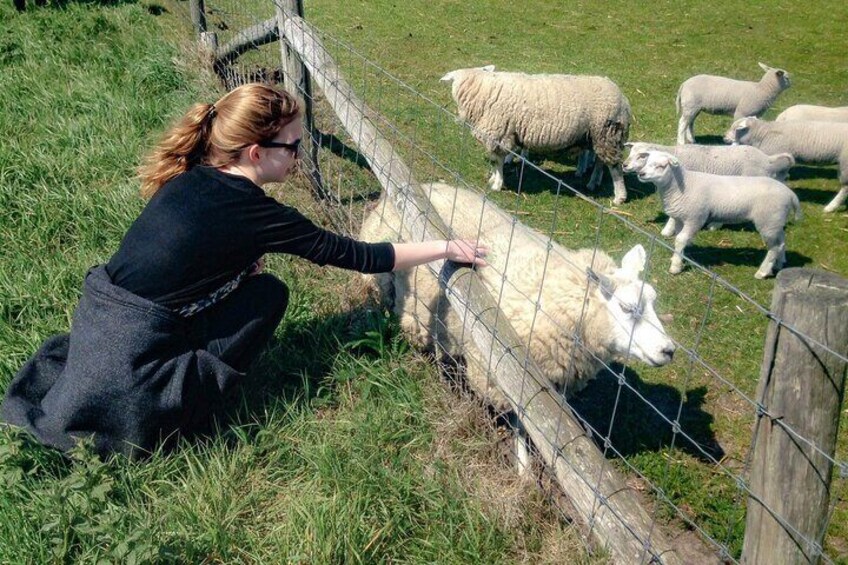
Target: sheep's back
811	142
714	94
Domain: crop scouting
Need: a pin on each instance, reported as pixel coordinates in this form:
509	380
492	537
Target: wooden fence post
800	392
198	15
297	81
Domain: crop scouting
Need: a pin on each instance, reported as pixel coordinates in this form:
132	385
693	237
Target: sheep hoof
667	233
762	275
675	270
619	201
829	208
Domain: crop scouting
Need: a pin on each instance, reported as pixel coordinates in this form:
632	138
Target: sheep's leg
620	192
522	448
584	161
684	129
713	226
680	242
496	181
837	200
597	175
510	157
672	228
773	258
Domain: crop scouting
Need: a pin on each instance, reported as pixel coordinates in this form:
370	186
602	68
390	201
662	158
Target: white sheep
733	160
809	142
544	112
613	318
812	113
591	311
720	95
693	199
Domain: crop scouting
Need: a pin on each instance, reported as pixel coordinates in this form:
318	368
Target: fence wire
651	423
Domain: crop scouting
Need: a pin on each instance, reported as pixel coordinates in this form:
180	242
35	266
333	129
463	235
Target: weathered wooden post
800	391
296	77
198	15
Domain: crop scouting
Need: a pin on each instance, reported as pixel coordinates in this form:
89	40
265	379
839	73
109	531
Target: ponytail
215	134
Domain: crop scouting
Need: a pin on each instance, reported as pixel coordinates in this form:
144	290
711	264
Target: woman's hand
467	251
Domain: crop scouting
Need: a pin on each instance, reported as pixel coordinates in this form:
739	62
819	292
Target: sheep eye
626	308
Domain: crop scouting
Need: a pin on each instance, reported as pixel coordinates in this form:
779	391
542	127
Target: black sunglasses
293	147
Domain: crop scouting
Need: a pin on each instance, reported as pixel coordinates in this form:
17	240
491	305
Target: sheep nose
669	351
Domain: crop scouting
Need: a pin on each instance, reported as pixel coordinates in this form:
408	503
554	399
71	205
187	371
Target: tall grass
342	447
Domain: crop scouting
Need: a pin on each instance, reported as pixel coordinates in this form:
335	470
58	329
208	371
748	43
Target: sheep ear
633	261
764	67
488	68
449	76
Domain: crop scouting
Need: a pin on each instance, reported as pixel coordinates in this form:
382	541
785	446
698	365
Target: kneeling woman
177	315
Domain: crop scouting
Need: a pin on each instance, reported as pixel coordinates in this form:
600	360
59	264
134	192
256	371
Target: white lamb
732	160
809	142
720	95
812	113
693	199
613	319
544	112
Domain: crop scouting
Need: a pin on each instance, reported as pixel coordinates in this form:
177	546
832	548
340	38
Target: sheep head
637	158
779	75
738	134
629	302
658	167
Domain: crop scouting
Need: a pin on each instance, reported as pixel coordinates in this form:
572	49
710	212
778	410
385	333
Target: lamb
720	95
733	160
812	113
614	318
694	198
808	142
544	112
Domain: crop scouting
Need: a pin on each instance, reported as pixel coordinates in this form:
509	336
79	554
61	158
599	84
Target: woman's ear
253	153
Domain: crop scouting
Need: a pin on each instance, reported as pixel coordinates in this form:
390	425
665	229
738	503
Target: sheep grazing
545	112
809	142
732	160
694	199
807	112
720	95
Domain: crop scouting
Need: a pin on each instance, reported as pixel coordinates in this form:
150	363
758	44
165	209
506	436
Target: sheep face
636	329
780	75
658	167
635	161
739	132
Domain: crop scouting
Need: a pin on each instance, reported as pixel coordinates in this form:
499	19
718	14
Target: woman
178	314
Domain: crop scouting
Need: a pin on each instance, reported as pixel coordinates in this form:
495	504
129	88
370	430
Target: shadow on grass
815	195
340	149
708	256
534	178
643	425
710	139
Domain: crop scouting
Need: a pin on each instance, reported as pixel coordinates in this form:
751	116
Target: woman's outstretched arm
460	250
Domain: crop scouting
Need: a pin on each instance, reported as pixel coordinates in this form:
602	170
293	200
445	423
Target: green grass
361	455
343	446
648	52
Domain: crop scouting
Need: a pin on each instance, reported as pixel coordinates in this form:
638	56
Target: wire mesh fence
684	433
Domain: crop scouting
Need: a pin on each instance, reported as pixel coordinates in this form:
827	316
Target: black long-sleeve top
204	227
